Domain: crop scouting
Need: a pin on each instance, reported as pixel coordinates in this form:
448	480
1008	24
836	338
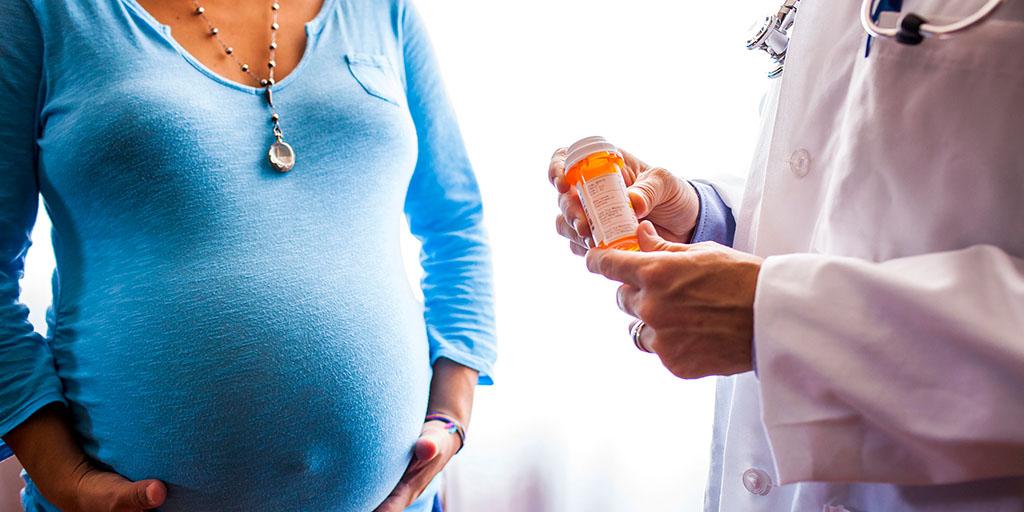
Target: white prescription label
606	204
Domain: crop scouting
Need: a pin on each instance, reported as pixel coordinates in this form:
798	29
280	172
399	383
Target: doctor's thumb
651	241
650	190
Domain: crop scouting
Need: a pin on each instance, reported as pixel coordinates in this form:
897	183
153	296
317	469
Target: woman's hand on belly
451	394
47	449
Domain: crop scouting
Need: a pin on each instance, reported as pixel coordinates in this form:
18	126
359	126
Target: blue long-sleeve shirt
249	337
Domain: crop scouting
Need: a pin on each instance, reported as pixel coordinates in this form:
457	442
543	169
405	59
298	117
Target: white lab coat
887	194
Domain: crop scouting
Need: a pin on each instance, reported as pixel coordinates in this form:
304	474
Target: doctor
869	313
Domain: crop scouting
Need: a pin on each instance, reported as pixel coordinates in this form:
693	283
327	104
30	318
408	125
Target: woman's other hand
50	454
669	202
433	450
451	394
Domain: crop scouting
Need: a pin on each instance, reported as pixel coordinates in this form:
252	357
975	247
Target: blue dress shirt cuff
715	222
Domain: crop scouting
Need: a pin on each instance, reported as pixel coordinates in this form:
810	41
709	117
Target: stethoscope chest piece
772	38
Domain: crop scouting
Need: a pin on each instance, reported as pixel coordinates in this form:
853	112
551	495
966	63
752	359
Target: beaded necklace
281	154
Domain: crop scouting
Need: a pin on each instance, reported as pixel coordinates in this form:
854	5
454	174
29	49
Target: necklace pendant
282	156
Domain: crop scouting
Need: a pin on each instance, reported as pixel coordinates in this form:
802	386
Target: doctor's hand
669	202
696	301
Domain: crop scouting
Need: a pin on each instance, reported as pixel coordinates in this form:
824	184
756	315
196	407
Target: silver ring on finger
635	330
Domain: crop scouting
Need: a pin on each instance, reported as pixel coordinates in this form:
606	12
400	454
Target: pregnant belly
304	404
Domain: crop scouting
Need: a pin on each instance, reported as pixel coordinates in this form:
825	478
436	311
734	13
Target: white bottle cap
586	147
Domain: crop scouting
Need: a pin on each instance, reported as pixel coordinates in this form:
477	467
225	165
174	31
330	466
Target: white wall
579	420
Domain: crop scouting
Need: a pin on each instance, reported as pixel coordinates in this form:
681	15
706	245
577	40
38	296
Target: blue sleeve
445	213
28	378
715	222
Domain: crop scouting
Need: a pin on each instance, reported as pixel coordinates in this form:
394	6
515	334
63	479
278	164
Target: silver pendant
282	156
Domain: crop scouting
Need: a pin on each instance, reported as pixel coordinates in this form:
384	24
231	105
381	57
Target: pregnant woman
232	327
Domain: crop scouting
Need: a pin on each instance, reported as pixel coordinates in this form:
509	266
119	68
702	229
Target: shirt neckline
312	29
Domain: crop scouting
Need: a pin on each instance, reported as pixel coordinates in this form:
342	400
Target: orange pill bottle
594	166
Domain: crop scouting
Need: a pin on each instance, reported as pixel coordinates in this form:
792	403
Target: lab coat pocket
930	152
376	75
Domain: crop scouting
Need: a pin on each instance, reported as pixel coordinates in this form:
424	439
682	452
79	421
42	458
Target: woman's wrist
451	425
451	391
46	447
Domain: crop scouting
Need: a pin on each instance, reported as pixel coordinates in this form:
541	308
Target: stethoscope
912	29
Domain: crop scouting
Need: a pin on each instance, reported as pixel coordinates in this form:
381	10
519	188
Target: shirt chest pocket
376	75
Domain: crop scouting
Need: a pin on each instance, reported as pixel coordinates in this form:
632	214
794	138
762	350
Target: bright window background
579	420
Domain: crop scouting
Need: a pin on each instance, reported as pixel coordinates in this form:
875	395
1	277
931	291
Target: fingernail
154	494
576	225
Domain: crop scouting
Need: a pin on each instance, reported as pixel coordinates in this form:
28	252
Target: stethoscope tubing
927	29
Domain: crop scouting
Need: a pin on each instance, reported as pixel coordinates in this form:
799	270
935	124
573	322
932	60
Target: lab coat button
757	481
800	163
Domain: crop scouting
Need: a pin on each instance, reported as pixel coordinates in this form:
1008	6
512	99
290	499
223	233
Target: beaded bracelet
452	425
